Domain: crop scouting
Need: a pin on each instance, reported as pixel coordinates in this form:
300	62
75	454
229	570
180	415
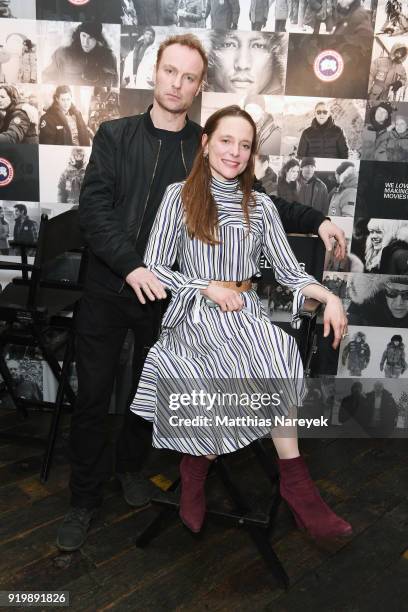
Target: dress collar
227	186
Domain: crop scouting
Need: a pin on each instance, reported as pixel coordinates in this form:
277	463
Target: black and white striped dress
199	341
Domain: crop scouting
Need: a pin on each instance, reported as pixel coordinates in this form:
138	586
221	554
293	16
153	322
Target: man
133	160
381	411
312	191
258	14
354	22
135	56
265	174
24	389
224	14
246	63
353	404
343	197
387	73
268	133
62	123
70	182
25	230
191	13
323	138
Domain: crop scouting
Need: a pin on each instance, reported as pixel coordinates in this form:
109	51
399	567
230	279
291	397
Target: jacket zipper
147	199
182	157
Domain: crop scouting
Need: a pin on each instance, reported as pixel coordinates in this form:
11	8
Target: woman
216	227
288	186
88	60
17	119
378	300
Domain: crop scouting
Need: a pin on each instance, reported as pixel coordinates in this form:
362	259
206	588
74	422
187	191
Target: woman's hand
227	299
335	317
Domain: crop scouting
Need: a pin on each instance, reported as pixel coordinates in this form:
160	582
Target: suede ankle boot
193	472
310	511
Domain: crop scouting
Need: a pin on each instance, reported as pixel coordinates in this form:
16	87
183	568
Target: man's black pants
102	323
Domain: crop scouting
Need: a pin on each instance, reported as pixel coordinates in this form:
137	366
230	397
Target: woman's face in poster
5	99
243	63
375	235
396	296
292	174
88	43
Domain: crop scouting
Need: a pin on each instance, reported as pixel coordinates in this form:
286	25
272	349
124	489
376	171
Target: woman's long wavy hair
200	208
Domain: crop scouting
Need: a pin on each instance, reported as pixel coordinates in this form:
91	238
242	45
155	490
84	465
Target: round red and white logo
78	2
328	65
6	172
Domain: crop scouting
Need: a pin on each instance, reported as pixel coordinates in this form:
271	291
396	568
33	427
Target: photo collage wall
327	88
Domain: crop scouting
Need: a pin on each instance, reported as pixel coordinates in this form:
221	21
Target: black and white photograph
327	185
85	53
350	263
79	10
247	63
392	17
328	66
276	300
133	102
19	221
382	190
134	44
373	352
19	114
381	245
266	111
380	300
182	13
26	370
323	127
385	134
368	407
388	70
66	115
337	283
138	51
17	9
267	168
19	172
69	165
18	51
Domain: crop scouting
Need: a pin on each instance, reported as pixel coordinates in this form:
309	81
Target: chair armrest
23	245
8	265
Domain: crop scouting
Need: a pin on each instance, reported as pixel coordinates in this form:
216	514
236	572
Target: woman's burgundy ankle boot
193	472
310	511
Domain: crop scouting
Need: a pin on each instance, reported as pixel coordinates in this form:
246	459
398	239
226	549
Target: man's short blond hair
186	40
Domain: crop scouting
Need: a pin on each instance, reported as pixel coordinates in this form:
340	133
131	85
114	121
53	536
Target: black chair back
310	253
58	236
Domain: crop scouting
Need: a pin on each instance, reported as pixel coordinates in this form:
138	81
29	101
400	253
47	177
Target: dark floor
364	480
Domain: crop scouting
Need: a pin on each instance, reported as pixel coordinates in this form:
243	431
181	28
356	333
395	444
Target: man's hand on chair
143	281
327	231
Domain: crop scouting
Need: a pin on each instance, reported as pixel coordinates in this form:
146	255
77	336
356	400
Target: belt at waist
244	285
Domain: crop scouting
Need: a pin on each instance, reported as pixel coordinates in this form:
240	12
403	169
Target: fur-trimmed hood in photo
369	303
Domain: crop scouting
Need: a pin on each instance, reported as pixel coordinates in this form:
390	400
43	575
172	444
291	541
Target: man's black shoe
137	490
74	528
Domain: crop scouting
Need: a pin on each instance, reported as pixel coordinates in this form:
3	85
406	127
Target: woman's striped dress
202	346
